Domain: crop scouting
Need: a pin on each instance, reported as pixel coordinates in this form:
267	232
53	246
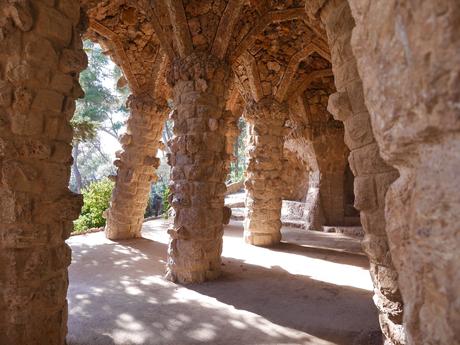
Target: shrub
96	198
166	205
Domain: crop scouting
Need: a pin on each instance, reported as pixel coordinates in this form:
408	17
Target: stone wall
319	140
40	59
408	57
294	177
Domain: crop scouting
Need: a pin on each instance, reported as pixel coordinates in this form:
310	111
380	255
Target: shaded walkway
292	294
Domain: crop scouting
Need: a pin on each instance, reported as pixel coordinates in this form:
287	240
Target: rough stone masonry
388	70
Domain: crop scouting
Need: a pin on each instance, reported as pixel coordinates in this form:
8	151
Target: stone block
72	61
366	160
356	96
40	52
339	106
358	131
51	24
365	193
48	100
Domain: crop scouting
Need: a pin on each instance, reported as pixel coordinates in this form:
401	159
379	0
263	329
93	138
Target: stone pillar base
262	239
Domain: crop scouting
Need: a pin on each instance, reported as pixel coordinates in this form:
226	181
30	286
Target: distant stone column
263	175
41	56
136	165
199	167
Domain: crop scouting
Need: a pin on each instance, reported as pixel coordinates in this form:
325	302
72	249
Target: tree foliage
102	110
238	166
96	198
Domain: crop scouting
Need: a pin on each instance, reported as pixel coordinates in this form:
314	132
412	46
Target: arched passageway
397	99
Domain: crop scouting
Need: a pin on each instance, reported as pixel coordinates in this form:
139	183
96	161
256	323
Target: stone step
352	231
352	226
352	221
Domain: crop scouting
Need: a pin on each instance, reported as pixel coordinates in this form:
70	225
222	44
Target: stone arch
407	56
144	64
314	128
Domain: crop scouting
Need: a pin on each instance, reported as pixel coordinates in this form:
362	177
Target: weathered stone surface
136	167
410	76
365	161
294	176
36	207
263	176
401	112
199	160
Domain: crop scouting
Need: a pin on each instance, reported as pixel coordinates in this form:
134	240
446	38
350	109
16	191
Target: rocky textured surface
294	177
263	175
225	56
199	167
410	76
126	32
372	175
40	58
135	163
318	139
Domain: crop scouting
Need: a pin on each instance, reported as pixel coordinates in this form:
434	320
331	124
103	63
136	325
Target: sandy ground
313	289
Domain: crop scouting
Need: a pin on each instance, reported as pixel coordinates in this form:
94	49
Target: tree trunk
237	158
75	170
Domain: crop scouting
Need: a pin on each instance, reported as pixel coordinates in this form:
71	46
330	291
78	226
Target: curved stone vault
375	82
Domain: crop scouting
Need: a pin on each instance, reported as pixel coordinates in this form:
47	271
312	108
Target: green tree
238	166
97	112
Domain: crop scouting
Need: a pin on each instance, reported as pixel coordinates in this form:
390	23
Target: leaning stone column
372	175
262	226
410	64
199	167
136	163
40	58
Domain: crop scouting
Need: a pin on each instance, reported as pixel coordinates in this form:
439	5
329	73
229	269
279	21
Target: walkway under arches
314	288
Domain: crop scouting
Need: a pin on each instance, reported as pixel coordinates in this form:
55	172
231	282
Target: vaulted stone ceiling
272	46
129	37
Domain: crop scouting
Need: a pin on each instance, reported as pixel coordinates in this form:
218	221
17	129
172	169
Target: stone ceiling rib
119	51
252	72
300	87
225	29
268	18
181	30
162	35
292	69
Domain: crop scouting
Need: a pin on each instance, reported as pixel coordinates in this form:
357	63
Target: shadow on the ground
323	254
117	296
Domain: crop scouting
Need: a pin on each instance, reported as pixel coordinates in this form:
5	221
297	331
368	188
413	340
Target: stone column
40	58
331	155
199	167
314	215
136	164
263	175
408	56
372	175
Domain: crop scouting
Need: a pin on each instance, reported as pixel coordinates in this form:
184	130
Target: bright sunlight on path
314	288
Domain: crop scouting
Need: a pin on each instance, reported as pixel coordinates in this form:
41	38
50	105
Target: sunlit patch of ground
314	288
